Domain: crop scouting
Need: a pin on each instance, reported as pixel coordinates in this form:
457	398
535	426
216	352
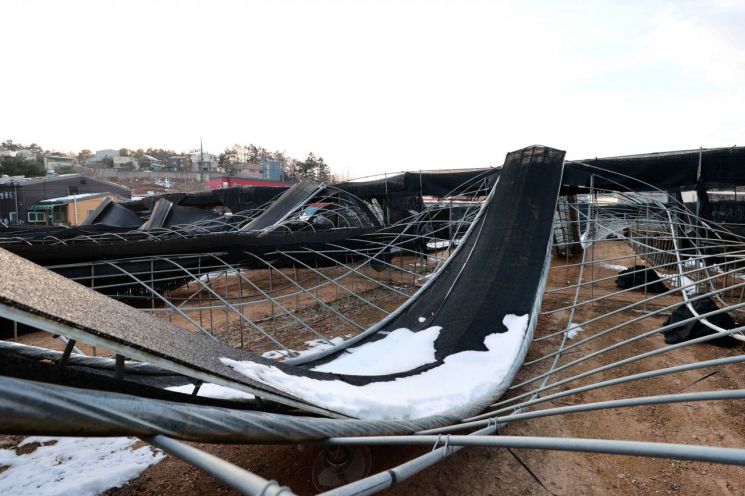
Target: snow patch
688	285
462	378
214	391
74	465
313	346
398	351
211	276
164	182
421	319
617	268
438	245
574	329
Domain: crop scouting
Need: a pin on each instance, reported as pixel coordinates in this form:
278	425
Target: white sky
375	86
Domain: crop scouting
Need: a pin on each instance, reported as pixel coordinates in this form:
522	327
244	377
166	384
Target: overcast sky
375	86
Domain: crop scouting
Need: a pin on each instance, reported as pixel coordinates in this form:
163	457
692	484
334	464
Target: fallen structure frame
696	259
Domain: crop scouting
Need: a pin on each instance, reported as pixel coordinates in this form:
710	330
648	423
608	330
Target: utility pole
201	154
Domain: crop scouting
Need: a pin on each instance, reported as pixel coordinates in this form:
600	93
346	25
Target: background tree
36	149
228	159
19	166
160	153
9	145
323	173
84	156
307	169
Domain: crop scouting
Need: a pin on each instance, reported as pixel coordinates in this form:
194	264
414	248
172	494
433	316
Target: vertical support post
152	283
297	290
119	367
227	315
271	291
592	230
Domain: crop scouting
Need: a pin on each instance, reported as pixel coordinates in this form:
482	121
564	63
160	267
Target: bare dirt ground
497	471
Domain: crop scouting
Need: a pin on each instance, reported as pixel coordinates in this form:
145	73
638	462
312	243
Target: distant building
205	161
27	153
230	181
70	210
18	195
52	162
251	169
126	163
178	163
150	162
102	154
272	169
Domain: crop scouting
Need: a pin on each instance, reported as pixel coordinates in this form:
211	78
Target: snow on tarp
463	378
399	351
214	391
73	465
313	347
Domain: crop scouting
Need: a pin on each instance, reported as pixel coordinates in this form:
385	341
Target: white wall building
125	163
27	154
102	154
52	162
208	161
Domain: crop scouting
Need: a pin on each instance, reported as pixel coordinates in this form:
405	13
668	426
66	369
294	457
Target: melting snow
688	285
314	346
462	378
398	351
214	391
438	245
615	267
573	331
216	275
74	465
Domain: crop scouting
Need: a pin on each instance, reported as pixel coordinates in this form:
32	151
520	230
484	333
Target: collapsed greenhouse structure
417	309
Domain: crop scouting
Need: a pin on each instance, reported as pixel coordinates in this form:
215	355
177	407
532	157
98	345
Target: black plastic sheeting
496	271
667	171
109	213
286	203
53	233
165	214
696	329
429	183
210	237
251	242
637	277
236	198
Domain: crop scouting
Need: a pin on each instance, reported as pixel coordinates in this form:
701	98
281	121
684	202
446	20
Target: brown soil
496	471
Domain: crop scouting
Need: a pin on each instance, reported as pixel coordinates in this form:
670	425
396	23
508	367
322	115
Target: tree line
313	167
294	170
21	166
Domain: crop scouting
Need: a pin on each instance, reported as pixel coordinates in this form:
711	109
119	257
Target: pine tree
323	173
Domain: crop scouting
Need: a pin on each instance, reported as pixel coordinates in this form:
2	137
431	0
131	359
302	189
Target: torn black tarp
425	183
640	278
666	171
696	329
109	213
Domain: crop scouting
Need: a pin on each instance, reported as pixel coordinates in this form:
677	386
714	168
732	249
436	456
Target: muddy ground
497	471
